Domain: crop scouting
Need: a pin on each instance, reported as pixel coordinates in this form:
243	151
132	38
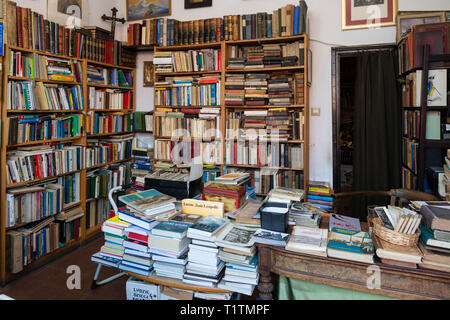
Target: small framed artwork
148	74
447	16
146	9
68	12
407	19
190	4
359	14
309	61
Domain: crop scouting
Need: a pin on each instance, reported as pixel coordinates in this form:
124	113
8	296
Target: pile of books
279	90
299	88
255	89
254	123
235	90
304	214
240	255
254	57
116	148
233	196
61	69
435	236
279	124
320	195
308	240
168	244
237	63
163	62
204	267
272	55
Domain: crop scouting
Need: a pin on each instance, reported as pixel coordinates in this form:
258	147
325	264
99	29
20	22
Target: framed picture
68	12
146	9
358	14
447	16
407	19
148	74
309	62
190	4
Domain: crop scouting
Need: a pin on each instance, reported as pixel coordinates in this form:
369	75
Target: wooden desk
398	282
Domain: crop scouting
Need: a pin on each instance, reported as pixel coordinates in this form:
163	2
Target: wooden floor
49	281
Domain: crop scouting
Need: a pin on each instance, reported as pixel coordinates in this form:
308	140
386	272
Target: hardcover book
350	245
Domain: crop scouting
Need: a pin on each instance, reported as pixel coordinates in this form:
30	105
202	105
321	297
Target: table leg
265	286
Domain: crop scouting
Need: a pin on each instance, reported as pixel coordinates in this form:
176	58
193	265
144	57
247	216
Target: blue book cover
296	20
177	229
142	272
321	198
209	224
350	241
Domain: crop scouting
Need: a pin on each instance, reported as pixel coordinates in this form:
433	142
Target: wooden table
398	282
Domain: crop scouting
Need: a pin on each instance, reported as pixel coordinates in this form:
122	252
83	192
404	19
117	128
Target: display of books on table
350	245
308	240
150	202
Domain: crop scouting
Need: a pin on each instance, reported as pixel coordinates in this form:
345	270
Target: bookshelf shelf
108	86
266	40
266	107
187	107
187	73
70	83
190	47
81	140
42	111
109	163
295	68
262	167
31	143
21	184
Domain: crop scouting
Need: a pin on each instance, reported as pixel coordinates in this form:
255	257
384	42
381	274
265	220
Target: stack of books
233	196
320	194
435	236
168	243
236	63
349	244
278	124
254	57
254	124
136	257
204	267
272	55
299	88
163	62
114	233
234	90
149	203
61	69
255	89
308	240
270	237
97	75
239	254
100	151
279	90
303	214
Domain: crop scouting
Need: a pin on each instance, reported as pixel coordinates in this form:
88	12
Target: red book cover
19	27
192	111
138	238
109	52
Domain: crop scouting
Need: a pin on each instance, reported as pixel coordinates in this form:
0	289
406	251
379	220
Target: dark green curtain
377	137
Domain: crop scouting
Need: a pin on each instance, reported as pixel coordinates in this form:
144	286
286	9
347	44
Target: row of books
260	89
268	124
33	241
110	99
36	66
31	163
411	123
264	155
97	211
266	56
31	95
29	30
204	124
28	128
410	151
188	61
286	21
109	123
182	151
109	76
100	181
142	167
105	150
188	91
142	121
409	179
412	88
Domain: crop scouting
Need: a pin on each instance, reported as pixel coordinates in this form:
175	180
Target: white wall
324	30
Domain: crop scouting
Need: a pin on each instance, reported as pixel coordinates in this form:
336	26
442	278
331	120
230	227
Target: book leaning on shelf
38	162
28	128
31	95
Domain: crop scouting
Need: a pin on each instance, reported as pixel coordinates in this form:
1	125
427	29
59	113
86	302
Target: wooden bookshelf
77	140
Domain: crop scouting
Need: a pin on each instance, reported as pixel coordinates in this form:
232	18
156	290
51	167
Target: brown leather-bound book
19	27
61	39
253	24
185	32
11	23
206	30
275	24
30	28
235	27
212	31
218	29
42	31
259	25
24	25
155	34
201	31
283	21
195	32
225	28
191	32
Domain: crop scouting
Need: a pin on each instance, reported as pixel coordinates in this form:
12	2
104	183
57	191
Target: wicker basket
402	239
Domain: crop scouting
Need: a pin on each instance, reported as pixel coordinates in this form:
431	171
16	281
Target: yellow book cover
202	208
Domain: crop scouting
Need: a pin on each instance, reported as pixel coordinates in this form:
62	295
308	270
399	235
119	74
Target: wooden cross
113	20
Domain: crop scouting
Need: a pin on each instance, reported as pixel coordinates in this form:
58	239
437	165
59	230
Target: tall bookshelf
224	72
79	140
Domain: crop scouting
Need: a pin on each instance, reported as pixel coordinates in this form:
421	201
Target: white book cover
437	87
304	238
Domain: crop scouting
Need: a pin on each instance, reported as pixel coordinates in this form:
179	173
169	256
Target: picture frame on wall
68	12
360	14
191	4
447	16
407	19
146	9
309	61
148	79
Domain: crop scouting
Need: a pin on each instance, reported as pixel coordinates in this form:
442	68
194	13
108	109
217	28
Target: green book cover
122	80
433	125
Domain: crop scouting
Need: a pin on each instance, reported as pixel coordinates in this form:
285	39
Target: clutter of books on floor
207	236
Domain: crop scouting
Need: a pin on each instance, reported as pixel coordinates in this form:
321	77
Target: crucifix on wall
113	20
